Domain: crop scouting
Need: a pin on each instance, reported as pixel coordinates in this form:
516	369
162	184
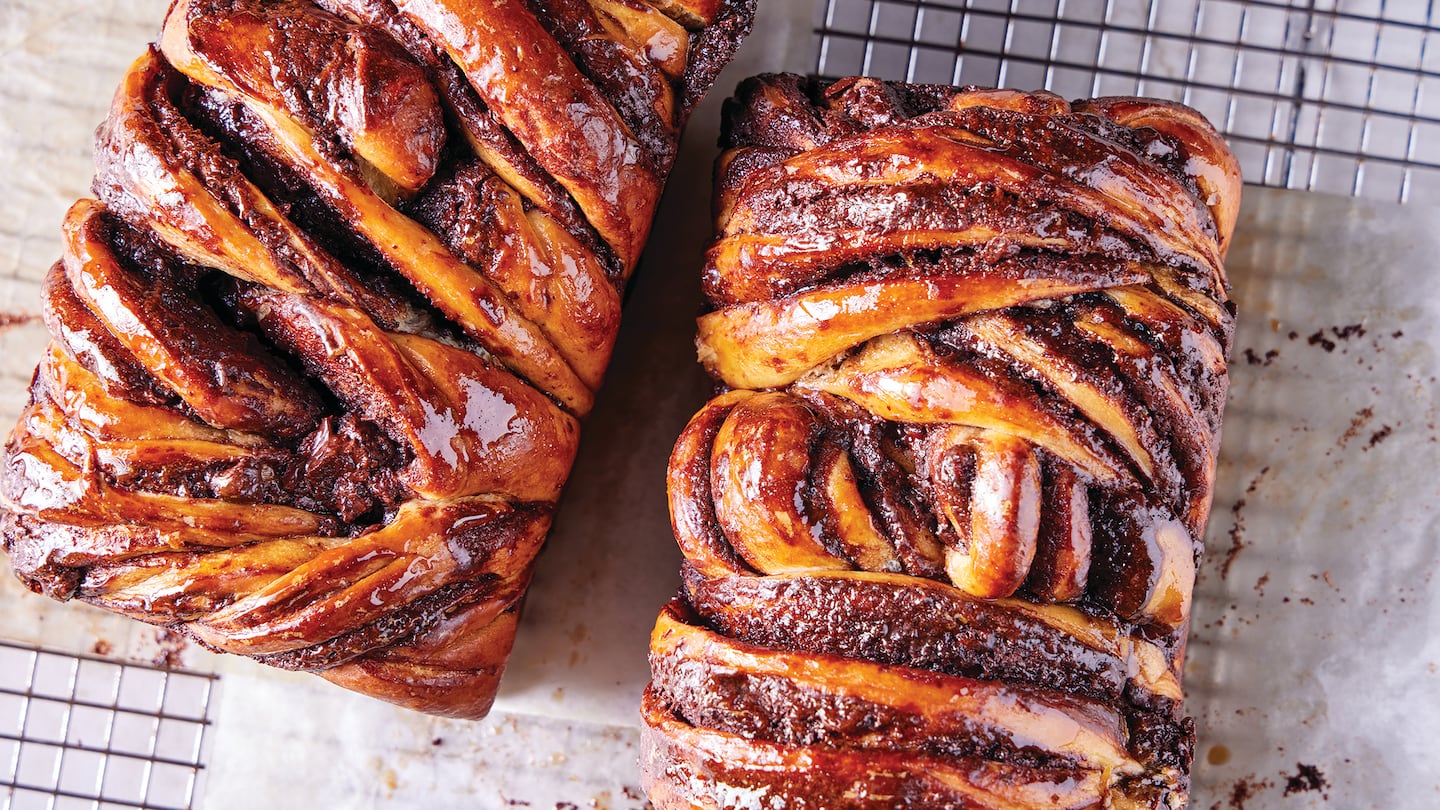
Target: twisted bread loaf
940	533
320	347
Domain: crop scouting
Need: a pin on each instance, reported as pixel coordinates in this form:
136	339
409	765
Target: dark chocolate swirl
941	529
322	345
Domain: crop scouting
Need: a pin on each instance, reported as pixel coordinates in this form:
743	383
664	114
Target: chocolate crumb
1397	334
1244	790
1255	482
1293	334
1319	339
1347	332
1237	538
1362	417
566	806
171	647
1261	360
1237	526
1308	779
438	741
1379	436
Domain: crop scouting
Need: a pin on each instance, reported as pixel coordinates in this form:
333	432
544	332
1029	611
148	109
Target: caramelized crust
941	531
321	346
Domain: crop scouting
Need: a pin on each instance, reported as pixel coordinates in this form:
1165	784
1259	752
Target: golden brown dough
322	344
941	529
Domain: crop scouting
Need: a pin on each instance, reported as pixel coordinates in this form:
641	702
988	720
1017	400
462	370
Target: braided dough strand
322	345
941	533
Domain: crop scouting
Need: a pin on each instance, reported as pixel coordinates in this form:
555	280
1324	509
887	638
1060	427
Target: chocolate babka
321	345
941	527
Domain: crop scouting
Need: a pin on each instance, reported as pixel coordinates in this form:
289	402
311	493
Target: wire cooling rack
87	732
1328	95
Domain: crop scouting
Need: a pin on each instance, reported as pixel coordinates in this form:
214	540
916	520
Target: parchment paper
1317	614
1315	624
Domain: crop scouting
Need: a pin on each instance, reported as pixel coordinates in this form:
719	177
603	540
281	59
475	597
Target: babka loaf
941	527
321	345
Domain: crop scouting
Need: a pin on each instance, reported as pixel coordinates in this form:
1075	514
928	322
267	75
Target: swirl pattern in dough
941	528
322	344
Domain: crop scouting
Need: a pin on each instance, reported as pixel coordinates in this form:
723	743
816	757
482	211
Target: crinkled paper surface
1317	622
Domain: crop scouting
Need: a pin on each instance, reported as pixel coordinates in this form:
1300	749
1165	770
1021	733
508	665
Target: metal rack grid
87	732
1328	95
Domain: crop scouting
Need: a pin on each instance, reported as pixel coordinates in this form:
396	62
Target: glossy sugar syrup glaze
941	526
322	344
